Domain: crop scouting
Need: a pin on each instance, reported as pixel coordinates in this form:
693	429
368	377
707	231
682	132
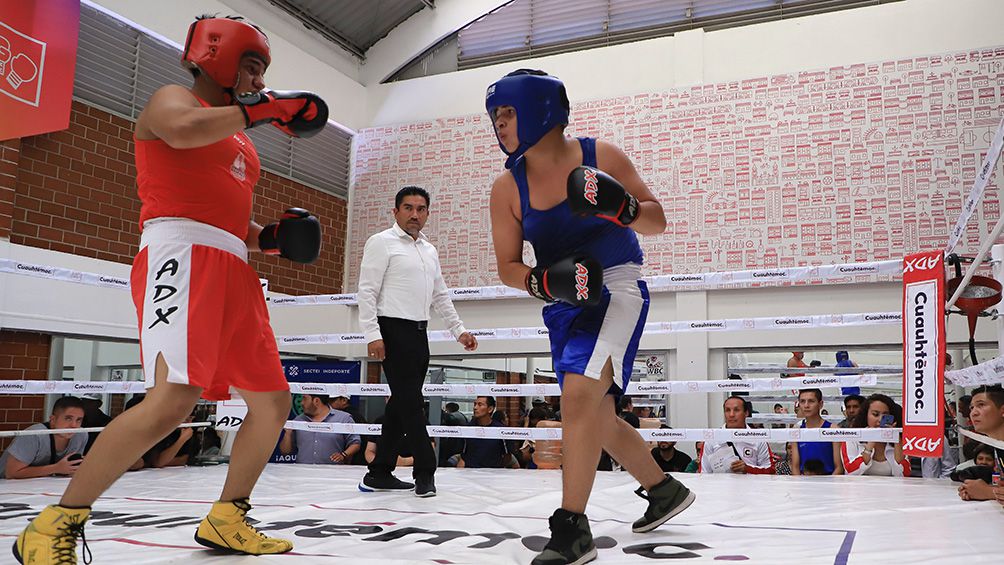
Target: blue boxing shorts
584	337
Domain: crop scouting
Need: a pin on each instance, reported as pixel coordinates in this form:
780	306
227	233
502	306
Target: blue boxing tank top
557	233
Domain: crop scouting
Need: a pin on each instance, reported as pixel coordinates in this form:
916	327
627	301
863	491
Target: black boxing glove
296	236
576	280
296	113
591	192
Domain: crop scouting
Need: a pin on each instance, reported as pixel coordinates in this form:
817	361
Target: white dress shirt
400	277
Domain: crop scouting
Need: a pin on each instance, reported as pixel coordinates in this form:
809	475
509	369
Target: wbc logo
591	187
581	282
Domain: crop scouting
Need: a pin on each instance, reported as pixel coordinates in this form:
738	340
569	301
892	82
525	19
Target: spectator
642	412
93	417
526	451
175	450
810	404
626	411
782	466
739	456
344	404
985	457
54	454
318	448
797	363
814	467
779	409
695	465
876	457
844	360
987	416
669	459
455	415
852	406
486	453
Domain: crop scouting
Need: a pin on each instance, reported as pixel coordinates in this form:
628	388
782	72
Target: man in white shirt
399	281
752	458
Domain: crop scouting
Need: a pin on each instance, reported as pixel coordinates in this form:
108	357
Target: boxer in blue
580	203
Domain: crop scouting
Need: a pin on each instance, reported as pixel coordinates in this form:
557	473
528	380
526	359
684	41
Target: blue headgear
842	356
540	102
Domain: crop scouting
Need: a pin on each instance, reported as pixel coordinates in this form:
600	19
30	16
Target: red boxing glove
296	113
297	236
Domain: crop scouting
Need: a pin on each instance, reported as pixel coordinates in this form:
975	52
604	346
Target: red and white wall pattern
854	163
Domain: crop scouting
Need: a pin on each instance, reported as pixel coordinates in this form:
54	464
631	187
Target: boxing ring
499	516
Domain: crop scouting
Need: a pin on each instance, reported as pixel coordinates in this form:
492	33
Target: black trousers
406	345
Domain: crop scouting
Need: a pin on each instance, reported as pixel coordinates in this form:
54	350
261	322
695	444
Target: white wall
883	32
300	60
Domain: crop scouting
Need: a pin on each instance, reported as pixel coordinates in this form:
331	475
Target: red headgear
215	46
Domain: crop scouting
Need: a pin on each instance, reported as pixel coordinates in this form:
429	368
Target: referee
399	280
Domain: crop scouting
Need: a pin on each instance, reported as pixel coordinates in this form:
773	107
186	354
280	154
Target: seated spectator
852	405
317	448
32	456
625	407
458	418
669	459
525	452
642	412
810	404
738	456
876	457
782	465
486	453
344	404
987	416
778	409
175	450
93	417
814	467
547	453
695	465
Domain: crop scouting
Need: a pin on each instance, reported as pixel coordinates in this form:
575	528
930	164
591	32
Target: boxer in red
204	327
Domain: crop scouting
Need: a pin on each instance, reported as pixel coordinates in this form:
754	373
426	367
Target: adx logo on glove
581	282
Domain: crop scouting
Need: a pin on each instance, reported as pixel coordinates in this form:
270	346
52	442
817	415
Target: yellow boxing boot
227	529
51	538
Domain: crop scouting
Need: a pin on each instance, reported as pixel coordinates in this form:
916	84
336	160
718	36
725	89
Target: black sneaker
571	541
665	500
425	486
383	483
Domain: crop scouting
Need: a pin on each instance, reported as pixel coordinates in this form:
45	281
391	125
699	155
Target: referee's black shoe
384	483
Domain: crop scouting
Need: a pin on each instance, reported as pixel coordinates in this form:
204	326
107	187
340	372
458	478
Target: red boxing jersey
211	184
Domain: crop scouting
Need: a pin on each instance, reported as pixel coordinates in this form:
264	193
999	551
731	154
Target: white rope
870	369
986	373
48	431
649	434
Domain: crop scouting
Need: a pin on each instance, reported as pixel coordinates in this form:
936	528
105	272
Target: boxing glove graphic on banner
21	62
38	56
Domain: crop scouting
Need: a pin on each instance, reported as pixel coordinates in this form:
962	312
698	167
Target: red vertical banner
924	354
38	55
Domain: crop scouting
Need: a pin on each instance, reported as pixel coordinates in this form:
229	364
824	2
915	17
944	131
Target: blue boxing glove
296	236
591	192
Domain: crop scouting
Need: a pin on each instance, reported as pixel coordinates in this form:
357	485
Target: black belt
417	324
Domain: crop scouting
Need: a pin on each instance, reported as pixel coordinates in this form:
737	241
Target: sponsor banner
697	281
61	274
47	431
986	373
38	54
738	324
923	354
72	387
785	418
717	434
979	185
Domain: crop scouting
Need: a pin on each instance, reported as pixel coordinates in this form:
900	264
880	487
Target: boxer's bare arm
507	233
175	116
651	217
